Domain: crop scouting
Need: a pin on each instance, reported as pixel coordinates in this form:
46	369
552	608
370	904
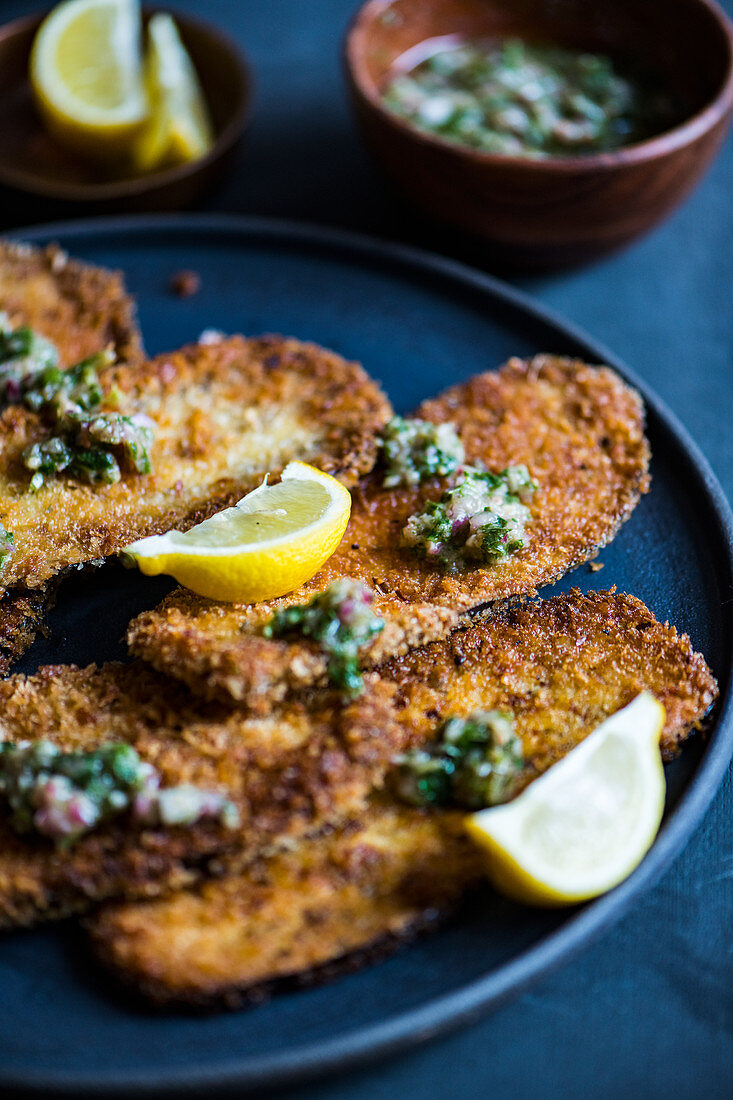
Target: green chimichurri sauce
92	449
23	354
414	450
342	621
473	763
518	99
482	518
86	443
63	795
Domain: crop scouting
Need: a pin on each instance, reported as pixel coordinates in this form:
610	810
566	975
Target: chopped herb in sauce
518	99
341	620
73	392
23	355
92	450
87	443
474	762
414	450
6	545
482	518
63	795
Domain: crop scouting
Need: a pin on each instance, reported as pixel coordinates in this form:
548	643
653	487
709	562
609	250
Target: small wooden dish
32	162
557	211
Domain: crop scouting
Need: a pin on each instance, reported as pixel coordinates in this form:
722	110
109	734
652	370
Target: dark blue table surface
648	1010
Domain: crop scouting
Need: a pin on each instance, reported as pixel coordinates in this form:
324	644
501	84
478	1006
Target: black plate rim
450	1011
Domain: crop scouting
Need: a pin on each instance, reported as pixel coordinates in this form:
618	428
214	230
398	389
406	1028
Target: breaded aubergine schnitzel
224	414
82	309
580	432
561	666
287	773
79	307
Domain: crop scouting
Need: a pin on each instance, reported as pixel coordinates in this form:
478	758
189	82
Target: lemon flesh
272	541
86	75
583	826
179	129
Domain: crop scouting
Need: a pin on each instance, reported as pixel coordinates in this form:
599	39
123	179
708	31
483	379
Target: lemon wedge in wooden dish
179	128
266	545
583	826
86	75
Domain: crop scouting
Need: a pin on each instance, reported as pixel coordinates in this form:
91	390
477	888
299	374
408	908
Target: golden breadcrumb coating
331	901
22	613
579	429
225	414
79	307
561	666
82	309
287	773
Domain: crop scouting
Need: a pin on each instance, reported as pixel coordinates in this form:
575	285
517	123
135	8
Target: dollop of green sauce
64	795
518	99
23	354
87	443
483	518
342	621
413	450
474	762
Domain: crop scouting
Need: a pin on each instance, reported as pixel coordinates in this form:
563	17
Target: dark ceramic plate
417	323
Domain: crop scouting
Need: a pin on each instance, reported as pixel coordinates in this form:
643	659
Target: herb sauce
85	448
413	450
475	762
87	443
23	355
518	99
341	620
63	795
482	518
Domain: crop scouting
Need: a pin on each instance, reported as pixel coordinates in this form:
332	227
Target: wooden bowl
32	162
558	210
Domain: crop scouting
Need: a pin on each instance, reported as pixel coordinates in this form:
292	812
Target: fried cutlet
561	666
79	307
225	414
331	901
82	309
580	431
288	773
334	903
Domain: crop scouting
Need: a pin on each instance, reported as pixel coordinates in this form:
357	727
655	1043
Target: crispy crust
79	307
82	309
337	902
22	614
215	650
333	900
287	773
225	414
561	666
579	429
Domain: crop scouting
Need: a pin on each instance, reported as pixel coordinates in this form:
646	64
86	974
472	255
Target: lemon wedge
583	826
179	129
268	544
86	74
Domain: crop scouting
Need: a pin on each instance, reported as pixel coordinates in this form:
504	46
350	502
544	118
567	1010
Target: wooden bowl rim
660	145
39	183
